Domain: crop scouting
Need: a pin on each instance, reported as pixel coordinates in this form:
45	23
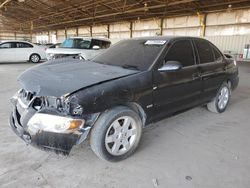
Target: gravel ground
194	149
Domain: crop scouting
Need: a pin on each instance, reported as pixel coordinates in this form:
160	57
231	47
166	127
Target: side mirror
228	56
170	66
95	47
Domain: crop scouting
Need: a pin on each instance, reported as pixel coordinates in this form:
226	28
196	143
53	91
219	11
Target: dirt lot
193	149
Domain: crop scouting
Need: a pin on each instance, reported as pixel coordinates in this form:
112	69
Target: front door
7	52
179	89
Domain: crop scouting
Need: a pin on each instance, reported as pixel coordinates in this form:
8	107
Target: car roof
14	41
96	38
164	38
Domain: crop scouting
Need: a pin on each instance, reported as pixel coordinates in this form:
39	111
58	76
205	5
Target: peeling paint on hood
68	75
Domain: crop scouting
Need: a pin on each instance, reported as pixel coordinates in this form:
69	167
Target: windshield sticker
155	42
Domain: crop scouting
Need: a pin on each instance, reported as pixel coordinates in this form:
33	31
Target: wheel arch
131	105
227	81
138	109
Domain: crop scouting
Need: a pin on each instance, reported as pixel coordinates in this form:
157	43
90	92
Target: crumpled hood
85	53
65	76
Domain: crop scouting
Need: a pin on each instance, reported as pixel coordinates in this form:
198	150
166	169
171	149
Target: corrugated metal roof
43	15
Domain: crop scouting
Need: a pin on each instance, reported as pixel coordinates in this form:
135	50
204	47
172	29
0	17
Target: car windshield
132	54
76	43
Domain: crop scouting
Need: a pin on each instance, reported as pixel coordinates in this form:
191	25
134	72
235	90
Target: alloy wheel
121	136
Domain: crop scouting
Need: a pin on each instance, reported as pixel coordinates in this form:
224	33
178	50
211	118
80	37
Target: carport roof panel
42	15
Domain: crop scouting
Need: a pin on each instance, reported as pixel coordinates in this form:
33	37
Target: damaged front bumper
43	137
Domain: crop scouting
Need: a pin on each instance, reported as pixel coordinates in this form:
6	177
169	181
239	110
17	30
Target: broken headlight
54	123
63	104
77	110
51	103
73	106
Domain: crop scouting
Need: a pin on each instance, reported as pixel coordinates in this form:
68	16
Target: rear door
212	68
7	52
180	89
23	51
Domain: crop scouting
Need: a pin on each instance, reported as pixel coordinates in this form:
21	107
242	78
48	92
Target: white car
83	47
20	51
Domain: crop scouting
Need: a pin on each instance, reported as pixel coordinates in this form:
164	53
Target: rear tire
220	102
35	58
116	134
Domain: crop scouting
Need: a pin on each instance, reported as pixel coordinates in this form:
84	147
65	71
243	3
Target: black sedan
111	98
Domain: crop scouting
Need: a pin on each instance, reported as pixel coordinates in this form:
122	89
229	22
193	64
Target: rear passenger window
217	54
205	51
105	44
181	51
24	45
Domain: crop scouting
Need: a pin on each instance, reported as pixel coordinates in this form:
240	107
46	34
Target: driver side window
181	51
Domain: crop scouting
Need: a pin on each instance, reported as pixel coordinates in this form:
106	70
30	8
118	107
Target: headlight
54	123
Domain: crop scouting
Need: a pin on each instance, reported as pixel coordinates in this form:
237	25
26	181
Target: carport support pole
161	26
31	30
202	19
108	29
77	32
49	37
91	33
56	36
131	29
65	32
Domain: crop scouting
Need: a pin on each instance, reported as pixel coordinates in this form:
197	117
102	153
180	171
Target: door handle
196	76
205	78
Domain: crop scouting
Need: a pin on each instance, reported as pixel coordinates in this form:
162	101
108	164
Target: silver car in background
79	47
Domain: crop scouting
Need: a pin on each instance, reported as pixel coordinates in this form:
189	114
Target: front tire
116	134
220	102
35	58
